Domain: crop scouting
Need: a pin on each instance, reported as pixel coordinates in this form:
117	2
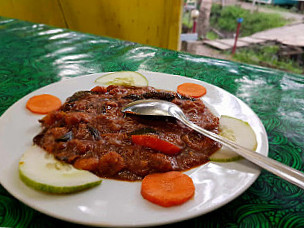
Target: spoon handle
291	175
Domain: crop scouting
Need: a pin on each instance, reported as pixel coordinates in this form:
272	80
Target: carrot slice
192	90
167	189
154	142
43	104
99	89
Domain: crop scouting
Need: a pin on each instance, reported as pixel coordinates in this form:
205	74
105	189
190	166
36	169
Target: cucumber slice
126	78
238	131
42	171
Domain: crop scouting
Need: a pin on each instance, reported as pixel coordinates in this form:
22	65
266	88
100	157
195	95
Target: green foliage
212	36
266	56
225	19
187	21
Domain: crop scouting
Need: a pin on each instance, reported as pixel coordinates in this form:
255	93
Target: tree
203	18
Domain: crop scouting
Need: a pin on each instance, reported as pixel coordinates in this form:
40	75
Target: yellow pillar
151	22
45	11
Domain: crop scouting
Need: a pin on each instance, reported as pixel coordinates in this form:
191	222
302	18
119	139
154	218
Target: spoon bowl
150	107
153	107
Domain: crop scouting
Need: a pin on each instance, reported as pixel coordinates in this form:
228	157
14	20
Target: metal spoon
153	107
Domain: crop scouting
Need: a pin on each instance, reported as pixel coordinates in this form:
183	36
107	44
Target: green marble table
34	55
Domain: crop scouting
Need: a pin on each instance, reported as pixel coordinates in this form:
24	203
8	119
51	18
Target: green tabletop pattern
34	55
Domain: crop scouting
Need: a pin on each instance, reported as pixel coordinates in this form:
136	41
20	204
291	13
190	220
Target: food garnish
43	104
237	131
154	142
41	171
192	90
167	189
125	78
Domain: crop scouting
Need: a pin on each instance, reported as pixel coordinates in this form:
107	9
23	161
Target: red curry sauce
90	132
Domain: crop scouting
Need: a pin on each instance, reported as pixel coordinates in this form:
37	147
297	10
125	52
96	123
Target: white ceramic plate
119	203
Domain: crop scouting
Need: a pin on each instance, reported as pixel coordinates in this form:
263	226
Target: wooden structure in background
290	35
150	22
